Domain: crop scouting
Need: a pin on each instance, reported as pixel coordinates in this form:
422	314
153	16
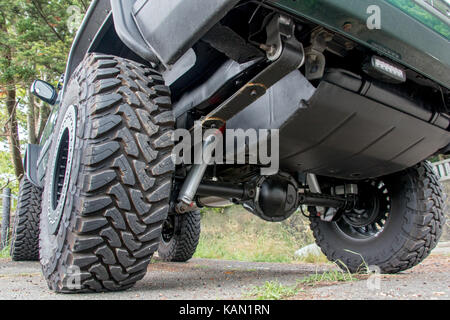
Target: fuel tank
348	127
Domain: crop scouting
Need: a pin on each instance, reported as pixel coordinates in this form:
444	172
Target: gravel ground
428	281
217	279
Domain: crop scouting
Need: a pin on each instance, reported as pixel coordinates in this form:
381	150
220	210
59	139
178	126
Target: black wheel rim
168	230
61	168
371	216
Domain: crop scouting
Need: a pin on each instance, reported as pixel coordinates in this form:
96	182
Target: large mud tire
25	235
102	221
181	234
412	230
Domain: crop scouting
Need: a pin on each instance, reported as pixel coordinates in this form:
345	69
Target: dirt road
214	279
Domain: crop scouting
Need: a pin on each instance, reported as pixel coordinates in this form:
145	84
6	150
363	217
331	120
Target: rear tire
180	237
413	226
25	235
109	178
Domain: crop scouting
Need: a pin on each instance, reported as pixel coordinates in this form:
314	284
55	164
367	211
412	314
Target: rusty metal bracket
287	54
315	59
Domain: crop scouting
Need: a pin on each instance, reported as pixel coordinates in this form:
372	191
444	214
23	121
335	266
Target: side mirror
44	91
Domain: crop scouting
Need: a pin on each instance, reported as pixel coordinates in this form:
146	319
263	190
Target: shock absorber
195	176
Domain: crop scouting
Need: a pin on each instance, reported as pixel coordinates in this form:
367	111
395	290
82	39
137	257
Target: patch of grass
273	290
328	277
235	234
201	266
20	275
4	254
364	267
338	275
312	258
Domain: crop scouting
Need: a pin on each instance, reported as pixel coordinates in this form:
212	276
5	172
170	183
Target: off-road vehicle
355	93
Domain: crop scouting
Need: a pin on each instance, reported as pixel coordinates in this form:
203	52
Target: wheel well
109	42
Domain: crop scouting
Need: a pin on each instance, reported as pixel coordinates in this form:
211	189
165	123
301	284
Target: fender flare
128	31
32	154
96	16
133	24
98	19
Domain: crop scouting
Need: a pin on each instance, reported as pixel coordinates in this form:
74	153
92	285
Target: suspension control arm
323	200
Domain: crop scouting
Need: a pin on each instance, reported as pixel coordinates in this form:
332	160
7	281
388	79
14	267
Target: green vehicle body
409	34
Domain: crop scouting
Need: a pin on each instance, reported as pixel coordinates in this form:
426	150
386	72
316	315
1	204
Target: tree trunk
11	128
31	119
12	132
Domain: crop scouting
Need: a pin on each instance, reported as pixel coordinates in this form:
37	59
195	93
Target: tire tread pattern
183	244
25	237
117	229
422	226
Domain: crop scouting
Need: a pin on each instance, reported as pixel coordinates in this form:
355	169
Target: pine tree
35	41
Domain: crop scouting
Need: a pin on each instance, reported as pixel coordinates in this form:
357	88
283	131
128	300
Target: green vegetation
273	290
337	275
327	277
235	234
20	275
4	254
312	258
35	39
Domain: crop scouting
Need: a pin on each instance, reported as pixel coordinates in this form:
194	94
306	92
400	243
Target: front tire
180	237
109	177
25	236
407	228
